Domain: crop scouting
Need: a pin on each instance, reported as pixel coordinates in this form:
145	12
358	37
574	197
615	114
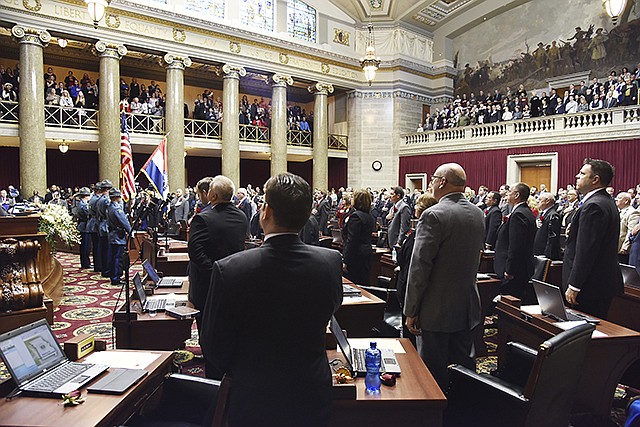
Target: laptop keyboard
58	377
170	282
156	304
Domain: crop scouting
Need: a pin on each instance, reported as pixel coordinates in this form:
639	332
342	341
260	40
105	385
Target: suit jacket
514	247
441	289
590	256
267	312
492	222
214	234
547	240
245	207
356	251
629	217
400	224
310	233
322	214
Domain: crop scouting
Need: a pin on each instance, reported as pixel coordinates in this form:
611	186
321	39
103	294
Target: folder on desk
118	381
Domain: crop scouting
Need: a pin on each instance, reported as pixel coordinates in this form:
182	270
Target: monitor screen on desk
139	289
630	275
153	274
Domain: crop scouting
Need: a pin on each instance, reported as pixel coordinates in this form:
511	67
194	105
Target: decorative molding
30	35
233	71
281	80
179	35
283	58
321	88
109	50
177	62
325	68
395	93
235	47
112	21
35	8
341	36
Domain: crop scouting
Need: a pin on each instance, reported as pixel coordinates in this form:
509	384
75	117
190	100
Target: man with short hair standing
492	220
268	310
629	217
514	247
590	269
400	217
442	304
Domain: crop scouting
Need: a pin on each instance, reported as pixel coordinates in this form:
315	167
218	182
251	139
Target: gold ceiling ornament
112	21
325	68
234	47
179	35
284	58
341	36
35	8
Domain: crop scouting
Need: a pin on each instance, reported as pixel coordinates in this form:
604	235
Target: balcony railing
257	134
9	112
338	142
300	138
202	129
592	125
76	118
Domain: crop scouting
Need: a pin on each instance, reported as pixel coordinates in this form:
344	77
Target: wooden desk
415	400
607	358
98	410
173	263
486	262
376	255
358	316
184	289
161	332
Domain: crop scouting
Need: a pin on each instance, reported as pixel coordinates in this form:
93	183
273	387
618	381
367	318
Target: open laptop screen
139	289
630	275
342	341
153	274
550	299
30	350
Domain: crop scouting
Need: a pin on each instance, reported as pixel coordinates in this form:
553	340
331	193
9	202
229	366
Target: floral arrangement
55	221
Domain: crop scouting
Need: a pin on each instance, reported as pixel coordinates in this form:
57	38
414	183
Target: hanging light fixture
63	147
614	8
370	62
63	43
96	10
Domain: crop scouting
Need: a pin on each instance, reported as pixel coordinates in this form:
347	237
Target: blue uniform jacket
92	224
102	206
119	225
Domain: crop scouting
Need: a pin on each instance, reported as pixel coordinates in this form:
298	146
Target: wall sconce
63	147
96	10
614	8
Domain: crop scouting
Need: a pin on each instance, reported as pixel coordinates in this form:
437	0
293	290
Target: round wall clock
376	165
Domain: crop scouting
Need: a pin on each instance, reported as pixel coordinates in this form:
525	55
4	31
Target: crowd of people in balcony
619	89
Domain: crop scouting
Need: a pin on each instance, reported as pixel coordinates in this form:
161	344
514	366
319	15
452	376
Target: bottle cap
373	344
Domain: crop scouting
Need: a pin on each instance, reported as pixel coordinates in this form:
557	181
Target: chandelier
614	8
96	10
370	62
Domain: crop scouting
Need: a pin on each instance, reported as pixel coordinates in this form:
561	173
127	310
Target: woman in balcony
8	93
80	105
66	110
583	105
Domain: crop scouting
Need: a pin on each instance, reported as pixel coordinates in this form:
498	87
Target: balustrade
300	138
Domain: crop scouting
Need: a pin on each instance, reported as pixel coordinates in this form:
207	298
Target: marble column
279	123
320	135
230	124
109	110
174	116
33	149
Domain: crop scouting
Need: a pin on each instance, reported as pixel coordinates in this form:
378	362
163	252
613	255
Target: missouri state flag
127	177
156	169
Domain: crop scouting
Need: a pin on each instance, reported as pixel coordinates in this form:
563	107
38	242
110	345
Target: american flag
127	176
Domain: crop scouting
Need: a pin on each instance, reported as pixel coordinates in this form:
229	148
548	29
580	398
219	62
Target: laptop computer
39	366
552	304
355	357
157	304
164	282
350	291
630	275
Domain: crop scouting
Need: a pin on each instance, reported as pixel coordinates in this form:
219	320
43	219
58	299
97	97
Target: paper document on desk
122	359
365	343
572	324
354	299
531	309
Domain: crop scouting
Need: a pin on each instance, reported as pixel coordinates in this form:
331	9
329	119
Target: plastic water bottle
373	358
394	254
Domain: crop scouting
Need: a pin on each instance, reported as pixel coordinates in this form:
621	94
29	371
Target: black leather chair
541	266
188	401
325	242
533	388
391	325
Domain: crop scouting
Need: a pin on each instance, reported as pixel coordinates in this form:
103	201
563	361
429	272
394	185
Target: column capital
109	50
28	35
232	71
281	80
178	62
321	88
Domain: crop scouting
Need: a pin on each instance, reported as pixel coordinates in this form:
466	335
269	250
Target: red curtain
490	167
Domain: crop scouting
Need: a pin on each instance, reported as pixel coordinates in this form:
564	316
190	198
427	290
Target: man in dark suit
514	248
267	314
321	211
547	240
215	233
442	304
492	220
244	204
590	268
310	233
400	216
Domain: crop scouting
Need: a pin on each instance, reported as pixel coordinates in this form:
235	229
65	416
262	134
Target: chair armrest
468	382
518	363
384	281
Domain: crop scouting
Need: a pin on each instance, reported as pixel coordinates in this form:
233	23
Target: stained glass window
257	14
208	8
301	20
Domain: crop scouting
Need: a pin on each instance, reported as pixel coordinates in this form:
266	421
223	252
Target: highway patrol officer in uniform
81	213
92	227
119	228
103	228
